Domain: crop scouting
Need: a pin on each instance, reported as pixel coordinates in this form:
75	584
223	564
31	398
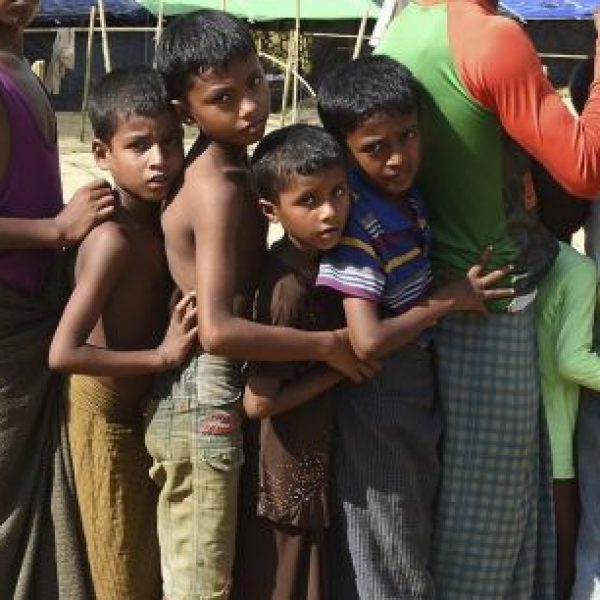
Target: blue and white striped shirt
383	255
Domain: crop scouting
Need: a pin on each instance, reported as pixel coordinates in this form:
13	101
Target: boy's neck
310	256
11	40
141	213
229	153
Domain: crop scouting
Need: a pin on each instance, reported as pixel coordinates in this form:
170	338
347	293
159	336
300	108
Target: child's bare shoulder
204	184
108	241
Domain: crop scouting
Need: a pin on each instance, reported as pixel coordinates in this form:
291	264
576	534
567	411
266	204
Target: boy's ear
100	150
182	112
269	209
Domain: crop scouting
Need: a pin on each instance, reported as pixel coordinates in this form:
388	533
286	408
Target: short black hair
358	89
124	92
580	81
297	149
198	41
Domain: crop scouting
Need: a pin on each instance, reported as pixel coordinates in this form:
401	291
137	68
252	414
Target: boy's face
387	149
17	14
313	209
145	155
231	106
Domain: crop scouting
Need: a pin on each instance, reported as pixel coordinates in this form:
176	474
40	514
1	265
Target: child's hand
89	206
343	359
472	292
181	333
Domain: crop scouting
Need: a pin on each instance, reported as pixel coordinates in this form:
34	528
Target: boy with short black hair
112	334
282	550
215	242
387	429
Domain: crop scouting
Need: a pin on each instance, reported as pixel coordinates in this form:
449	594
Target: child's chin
330	245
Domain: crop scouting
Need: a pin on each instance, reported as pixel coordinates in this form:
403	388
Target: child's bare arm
104	262
222	332
372	337
269	395
90	205
576	360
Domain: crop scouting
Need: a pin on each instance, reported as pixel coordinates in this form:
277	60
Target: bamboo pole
361	31
296	64
224	5
282	64
105	50
88	71
286	81
159	24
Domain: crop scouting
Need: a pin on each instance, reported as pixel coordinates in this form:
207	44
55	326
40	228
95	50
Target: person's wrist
58	237
164	362
443	303
326	346
61	233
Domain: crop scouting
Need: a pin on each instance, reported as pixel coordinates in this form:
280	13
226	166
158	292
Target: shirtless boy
111	332
215	242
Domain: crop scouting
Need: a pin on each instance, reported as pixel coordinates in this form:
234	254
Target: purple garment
31	188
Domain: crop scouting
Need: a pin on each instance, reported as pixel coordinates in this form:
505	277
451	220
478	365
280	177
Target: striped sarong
386	471
494	530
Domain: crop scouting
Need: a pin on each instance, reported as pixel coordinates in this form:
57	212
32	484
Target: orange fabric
499	67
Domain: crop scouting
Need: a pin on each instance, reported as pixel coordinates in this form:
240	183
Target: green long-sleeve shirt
566	304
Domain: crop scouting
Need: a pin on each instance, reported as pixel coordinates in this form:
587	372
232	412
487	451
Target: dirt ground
77	165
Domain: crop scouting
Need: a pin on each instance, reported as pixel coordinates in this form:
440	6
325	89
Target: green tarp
272	10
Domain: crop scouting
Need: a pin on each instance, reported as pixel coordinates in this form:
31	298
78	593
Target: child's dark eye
340	191
309	201
411	134
174	140
374	149
223	99
256	81
139	145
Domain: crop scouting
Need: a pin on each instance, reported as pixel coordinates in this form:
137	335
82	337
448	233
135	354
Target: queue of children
240	421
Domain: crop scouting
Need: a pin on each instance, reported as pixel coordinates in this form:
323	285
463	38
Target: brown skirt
274	561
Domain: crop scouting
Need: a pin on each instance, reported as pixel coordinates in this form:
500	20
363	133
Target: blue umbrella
550	9
72	12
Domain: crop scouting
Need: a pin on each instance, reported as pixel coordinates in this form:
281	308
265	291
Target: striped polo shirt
383	255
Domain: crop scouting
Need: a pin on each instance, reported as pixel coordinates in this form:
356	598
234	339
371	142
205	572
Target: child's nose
328	210
248	107
157	155
395	159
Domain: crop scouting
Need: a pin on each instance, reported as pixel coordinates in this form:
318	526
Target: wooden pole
159	24
286	81
296	64
224	5
88	71
361	31
105	50
282	64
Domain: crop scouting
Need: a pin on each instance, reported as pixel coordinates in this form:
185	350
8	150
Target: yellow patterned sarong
117	499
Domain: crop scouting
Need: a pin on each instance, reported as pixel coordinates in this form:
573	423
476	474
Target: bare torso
135	314
204	176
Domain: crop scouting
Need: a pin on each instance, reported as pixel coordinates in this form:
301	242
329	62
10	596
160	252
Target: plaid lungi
494	530
386	473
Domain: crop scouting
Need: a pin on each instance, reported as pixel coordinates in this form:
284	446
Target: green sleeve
575	359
